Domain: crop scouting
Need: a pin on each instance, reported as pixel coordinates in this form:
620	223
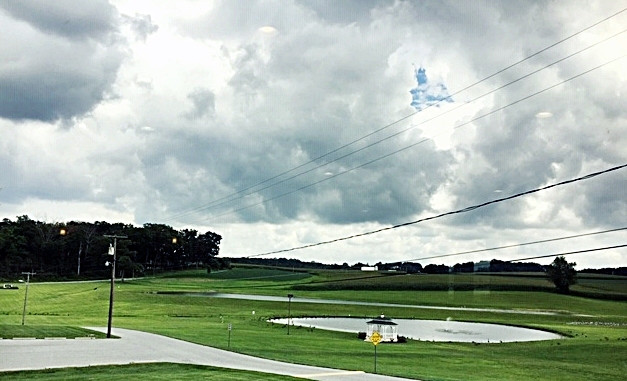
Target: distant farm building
369	268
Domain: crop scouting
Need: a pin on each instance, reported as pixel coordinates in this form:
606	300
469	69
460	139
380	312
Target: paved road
136	346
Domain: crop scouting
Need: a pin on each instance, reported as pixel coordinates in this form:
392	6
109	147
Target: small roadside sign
375	338
230	328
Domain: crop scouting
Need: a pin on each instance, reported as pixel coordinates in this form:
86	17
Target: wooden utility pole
114	253
28	274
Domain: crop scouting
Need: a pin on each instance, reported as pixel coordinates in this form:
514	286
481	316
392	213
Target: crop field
594	327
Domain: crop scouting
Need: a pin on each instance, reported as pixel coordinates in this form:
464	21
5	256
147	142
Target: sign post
375	339
289	311
230	329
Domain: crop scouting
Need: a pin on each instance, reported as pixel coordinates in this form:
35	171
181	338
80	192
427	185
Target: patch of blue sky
427	94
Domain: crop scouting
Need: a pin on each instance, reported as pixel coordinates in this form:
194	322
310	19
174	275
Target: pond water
433	330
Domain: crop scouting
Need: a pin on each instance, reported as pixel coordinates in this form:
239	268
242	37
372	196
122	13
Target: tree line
494	265
79	250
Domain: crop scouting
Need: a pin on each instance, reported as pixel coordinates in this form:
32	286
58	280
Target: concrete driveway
136	346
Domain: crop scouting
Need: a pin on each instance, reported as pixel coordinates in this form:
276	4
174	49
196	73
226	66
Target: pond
427	330
432	330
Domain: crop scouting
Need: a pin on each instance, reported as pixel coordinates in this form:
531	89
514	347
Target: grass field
155	372
596	329
10	331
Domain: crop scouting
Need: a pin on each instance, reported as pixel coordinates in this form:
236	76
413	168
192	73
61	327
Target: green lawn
160	371
596	329
10	331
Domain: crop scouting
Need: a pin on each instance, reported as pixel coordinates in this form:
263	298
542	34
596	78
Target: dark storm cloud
388	191
71	19
203	103
59	58
605	202
49	96
321	94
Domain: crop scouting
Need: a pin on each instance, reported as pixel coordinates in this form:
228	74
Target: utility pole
112	251
28	274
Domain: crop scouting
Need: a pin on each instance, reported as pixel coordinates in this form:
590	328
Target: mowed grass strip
156	371
12	331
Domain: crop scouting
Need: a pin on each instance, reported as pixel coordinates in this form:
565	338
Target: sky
280	124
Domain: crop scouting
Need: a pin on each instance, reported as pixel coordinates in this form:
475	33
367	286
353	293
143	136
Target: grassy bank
594	348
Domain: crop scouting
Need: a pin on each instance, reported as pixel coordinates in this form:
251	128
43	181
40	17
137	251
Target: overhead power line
314	160
513	245
421	141
458	211
568	253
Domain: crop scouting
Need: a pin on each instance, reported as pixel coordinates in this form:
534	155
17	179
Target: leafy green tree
126	264
562	274
208	246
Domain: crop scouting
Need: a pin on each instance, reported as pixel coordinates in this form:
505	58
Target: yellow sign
375	338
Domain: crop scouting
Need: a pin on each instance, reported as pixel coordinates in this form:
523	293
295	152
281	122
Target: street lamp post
289	311
63	232
112	251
